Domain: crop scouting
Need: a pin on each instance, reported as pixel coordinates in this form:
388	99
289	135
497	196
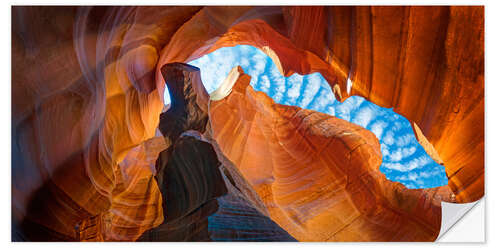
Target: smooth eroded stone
87	89
190	182
317	175
188	108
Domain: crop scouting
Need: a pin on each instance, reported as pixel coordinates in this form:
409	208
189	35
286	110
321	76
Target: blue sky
404	159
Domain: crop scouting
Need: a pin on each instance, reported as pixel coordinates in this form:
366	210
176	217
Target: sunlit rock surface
386	53
318	175
87	90
192	173
187	172
404	156
427	63
242	215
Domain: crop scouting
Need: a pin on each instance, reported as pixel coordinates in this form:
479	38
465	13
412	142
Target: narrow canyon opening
405	160
292	163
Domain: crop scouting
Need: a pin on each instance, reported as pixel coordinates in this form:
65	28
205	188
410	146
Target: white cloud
397	125
323	100
425	174
394	166
404	140
275	74
279	86
246	49
358	101
417	162
412	176
294	83
277	80
364	116
259	61
378	128
311	88
396	155
264	81
428	174
294	79
351	104
277	97
388	138
215	67
402	178
330	110
408	151
294	92
413	164
384	149
401	153
343	113
254	75
244	62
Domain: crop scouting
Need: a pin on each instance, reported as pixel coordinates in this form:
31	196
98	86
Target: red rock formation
187	172
78	113
87	88
389	53
318	175
427	63
189	182
188	110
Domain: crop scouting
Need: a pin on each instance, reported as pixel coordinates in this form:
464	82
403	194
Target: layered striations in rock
318	175
237	220
87	95
427	63
190	182
242	216
187	171
190	175
188	108
385	54
78	113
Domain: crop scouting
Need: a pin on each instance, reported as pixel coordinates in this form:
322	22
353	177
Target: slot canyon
97	155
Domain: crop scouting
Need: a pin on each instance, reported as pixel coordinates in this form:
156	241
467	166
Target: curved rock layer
242	216
190	182
188	109
189	178
388	53
87	89
80	110
237	220
318	175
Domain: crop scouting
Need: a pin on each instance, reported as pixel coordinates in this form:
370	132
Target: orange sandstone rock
82	99
389	54
318	175
87	89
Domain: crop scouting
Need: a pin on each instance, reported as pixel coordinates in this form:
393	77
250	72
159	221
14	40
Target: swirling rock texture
189	177
187	172
237	220
318	175
190	183
87	93
188	109
242	216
